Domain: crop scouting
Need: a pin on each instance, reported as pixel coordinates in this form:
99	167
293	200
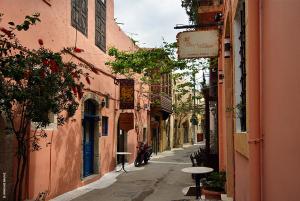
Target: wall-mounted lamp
227	48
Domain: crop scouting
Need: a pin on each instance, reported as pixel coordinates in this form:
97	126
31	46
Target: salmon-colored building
259	99
85	148
258	93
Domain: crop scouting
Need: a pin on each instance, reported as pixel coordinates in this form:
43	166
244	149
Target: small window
107	101
79	15
240	67
100	25
104	126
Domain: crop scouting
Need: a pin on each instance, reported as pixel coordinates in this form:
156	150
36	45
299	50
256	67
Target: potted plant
214	185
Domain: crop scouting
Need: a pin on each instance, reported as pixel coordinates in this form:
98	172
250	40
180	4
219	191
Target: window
100	23
104	126
166	84
79	15
107	101
240	67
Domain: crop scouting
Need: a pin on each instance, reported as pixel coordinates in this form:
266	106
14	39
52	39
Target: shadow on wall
108	159
66	159
131	145
7	154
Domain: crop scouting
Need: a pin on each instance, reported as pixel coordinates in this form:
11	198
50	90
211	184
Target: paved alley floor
160	180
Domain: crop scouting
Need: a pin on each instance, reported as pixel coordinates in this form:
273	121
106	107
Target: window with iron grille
240	67
100	23
79	15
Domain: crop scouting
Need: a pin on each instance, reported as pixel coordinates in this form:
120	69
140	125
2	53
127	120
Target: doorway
185	133
121	142
90	122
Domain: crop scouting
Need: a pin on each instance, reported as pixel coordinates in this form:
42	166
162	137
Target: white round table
123	159
198	172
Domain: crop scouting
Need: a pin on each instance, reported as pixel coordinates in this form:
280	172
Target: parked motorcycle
144	153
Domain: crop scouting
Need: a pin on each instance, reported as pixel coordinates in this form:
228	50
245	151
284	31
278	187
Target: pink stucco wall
57	168
281	98
270	171
241	178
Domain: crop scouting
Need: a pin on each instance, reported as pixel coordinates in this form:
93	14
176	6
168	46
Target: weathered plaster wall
57	168
241	178
280	99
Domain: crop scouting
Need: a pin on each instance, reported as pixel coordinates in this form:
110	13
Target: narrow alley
149	100
160	180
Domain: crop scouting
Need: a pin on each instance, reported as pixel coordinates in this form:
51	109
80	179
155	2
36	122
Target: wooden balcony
161	104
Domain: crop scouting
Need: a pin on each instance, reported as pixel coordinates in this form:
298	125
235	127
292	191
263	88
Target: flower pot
214	195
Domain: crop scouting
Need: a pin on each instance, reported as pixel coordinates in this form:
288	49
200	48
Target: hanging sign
198	44
126	93
126	121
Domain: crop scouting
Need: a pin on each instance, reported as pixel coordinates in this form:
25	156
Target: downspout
261	96
255	137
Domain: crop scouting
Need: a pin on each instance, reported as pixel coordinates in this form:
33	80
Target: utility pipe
254	104
261	96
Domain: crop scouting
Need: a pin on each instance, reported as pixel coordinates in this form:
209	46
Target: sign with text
126	93
126	121
198	44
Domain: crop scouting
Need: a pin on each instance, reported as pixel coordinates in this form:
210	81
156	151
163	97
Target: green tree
32	84
148	62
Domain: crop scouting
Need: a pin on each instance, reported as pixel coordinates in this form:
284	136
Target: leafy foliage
32	84
191	8
150	62
215	181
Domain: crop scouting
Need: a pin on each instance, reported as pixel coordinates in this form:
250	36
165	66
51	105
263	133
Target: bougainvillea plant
34	83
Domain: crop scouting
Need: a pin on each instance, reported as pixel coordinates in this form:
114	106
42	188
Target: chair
192	160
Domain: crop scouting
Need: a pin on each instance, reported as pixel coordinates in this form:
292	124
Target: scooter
144	153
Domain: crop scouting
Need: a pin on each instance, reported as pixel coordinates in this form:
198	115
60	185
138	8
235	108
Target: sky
150	21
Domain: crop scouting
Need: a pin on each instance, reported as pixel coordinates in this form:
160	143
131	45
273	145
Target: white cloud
152	20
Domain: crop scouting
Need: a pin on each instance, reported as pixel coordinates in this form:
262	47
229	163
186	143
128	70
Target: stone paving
160	180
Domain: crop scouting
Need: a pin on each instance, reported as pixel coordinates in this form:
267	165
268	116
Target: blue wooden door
88	138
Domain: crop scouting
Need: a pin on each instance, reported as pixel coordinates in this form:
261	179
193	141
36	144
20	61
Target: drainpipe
255	139
260	12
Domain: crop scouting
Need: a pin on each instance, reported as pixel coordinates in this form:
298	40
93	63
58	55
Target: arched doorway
90	138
